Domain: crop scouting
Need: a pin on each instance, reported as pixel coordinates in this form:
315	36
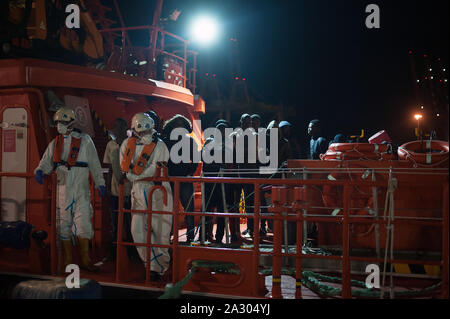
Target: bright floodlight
418	116
204	30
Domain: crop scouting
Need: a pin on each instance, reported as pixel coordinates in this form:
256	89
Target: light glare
204	30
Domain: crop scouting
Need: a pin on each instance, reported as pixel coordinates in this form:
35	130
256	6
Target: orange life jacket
73	152
141	162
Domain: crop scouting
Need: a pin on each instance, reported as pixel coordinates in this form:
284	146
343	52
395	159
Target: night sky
318	56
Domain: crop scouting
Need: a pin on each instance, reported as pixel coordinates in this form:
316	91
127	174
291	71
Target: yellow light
418	116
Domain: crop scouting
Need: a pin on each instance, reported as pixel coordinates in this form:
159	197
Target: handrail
154	48
12	174
345	220
49	182
145	27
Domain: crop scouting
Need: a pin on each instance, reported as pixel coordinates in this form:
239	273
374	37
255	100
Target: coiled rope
173	291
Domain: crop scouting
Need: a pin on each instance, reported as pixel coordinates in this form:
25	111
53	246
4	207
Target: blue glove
101	191
39	176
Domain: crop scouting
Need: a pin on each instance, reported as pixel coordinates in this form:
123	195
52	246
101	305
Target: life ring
356	151
359	147
349	155
428	152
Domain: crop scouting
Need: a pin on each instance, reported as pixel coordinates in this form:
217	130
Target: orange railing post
53	239
119	244
346	287
277	242
149	212
298	259
256	207
149	235
176	210
299	242
445	242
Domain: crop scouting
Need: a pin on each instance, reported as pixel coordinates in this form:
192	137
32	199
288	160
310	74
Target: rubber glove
101	191
39	176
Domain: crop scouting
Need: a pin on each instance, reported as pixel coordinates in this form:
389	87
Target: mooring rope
312	280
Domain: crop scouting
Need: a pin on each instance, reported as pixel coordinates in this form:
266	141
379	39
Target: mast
155	25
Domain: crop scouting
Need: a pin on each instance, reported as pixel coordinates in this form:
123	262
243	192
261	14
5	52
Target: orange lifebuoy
426	152
342	156
349	155
356	151
358	147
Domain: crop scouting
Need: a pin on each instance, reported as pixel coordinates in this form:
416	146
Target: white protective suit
73	200
161	224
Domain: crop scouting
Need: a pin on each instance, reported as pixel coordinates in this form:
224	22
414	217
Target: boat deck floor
136	288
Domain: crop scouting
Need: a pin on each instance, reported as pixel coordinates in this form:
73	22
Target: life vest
141	162
73	151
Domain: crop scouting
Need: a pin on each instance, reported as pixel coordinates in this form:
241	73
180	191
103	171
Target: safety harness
73	153
141	162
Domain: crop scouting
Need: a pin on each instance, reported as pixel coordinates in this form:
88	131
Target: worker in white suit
72	155
140	155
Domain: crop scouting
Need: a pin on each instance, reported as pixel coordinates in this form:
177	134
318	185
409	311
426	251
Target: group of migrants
136	154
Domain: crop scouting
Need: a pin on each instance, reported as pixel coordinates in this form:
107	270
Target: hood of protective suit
62	128
146	139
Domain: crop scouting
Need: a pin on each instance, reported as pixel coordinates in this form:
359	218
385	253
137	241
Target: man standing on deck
256	124
243	137
112	158
318	144
72	155
214	193
140	155
181	168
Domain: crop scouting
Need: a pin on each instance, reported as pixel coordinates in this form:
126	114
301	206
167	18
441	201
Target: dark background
318	56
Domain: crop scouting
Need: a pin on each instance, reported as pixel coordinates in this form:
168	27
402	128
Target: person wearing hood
318	144
284	147
158	124
183	169
140	155
73	156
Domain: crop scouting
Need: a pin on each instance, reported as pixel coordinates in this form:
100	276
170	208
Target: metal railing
157	36
279	205
277	208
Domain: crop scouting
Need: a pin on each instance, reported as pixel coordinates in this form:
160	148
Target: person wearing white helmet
140	155
73	156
